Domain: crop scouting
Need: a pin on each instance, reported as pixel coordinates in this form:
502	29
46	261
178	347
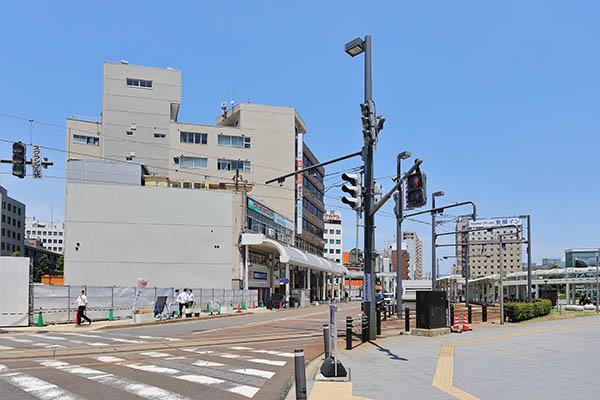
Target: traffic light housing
369	121
354	189
18	160
416	195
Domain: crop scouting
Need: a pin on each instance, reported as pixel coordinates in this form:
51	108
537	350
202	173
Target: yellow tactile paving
331	391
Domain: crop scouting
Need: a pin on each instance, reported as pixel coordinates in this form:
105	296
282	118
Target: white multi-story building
13	224
332	236
50	234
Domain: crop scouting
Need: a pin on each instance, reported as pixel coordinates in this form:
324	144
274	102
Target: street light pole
433	255
529	299
500	287
597	286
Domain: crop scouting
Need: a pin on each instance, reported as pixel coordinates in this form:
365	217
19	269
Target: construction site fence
56	301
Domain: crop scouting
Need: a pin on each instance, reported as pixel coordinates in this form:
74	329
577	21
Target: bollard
300	374
407	319
379	320
326	341
451	314
348	333
385	310
484	313
469	312
365	328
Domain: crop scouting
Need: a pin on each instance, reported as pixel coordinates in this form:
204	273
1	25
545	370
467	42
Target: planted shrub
516	312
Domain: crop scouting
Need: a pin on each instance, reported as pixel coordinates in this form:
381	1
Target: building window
159	135
232	165
193	162
331	231
191	137
338	241
3	218
337	251
330	251
129	133
139	83
338	232
187	185
197	185
81	139
59	233
60	241
18	224
234	141
2	231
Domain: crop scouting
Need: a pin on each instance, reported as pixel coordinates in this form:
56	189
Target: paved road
249	356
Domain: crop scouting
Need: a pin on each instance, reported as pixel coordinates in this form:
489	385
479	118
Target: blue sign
259	276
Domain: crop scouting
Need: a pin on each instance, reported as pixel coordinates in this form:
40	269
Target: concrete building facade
415	253
12	225
332	235
248	145
483	250
587	256
50	234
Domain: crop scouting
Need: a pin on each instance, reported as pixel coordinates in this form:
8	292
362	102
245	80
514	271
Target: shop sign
267	212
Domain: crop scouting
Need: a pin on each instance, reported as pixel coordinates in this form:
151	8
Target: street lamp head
355	47
404	155
438	194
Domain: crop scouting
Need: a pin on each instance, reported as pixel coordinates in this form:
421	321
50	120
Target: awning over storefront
292	255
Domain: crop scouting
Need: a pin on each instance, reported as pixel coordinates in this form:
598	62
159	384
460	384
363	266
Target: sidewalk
491	361
116	324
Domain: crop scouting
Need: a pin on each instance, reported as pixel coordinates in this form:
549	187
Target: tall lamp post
433	256
398	210
354	48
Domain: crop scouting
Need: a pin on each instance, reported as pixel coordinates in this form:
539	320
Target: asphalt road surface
239	357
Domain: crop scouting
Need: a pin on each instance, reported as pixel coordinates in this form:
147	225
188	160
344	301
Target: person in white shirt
82	305
190	298
182	299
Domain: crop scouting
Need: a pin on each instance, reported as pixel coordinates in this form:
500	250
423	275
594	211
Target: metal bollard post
348	333
365	328
484	313
379	320
451	314
326	341
385	310
300	374
469	314
407	319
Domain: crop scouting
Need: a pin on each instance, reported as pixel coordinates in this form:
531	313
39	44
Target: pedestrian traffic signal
354	189
416	195
18	160
369	121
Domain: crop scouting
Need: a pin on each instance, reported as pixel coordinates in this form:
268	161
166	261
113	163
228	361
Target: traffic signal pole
368	150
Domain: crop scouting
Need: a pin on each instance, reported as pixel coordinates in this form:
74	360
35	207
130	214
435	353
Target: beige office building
415	253
484	248
247	145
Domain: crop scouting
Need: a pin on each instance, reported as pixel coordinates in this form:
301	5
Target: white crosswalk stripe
17	340
6	348
155	354
274	353
36	387
254	372
136	388
160	338
267	362
114	339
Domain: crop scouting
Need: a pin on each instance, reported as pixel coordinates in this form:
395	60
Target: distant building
13	224
483	250
551	261
332	236
404	263
50	234
34	250
587	256
415	254
390	245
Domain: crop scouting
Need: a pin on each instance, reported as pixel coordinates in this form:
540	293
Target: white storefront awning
292	255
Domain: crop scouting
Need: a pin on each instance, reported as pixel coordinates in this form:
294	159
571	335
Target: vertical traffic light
416	195
18	160
369	121
354	189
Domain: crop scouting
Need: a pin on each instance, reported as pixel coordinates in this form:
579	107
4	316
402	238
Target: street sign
36	161
367	288
333	335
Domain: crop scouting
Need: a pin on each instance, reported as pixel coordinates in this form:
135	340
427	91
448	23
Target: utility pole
398	211
434	271
500	283
529	299
597	286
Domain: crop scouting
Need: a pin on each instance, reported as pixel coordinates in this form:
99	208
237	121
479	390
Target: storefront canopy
292	255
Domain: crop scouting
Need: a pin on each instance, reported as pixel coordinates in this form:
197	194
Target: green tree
60	266
42	266
16	254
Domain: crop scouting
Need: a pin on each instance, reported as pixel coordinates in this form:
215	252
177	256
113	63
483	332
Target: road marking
268	362
109	359
50	346
136	388
6	348
228	355
87	335
275	353
175	358
155	354
36	387
203	363
161	338
241	348
153	368
49	337
255	372
201	379
198	351
18	340
248	391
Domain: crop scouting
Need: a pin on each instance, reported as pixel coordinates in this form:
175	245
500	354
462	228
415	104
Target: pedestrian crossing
236	372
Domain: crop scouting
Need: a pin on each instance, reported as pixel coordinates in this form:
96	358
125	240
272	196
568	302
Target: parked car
388	298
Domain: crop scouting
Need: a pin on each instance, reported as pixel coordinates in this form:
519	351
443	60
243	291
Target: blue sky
499	100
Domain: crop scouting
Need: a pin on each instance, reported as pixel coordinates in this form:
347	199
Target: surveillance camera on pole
354	189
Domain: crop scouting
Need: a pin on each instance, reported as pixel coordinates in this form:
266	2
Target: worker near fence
82	305
182	300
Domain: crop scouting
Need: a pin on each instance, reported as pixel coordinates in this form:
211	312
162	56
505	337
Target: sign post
333	335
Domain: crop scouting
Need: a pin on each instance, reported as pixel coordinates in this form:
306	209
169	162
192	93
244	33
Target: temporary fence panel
99	300
227	297
14	291
237	297
123	301
54	301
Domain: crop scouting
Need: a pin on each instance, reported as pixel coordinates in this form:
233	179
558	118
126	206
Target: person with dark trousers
82	305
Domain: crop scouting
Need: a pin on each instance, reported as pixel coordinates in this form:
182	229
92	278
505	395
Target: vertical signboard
333	335
36	161
299	153
367	287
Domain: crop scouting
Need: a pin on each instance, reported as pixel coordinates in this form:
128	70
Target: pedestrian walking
182	300
174	300
190	303
82	305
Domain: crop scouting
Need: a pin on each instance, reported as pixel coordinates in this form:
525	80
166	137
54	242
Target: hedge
516	312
